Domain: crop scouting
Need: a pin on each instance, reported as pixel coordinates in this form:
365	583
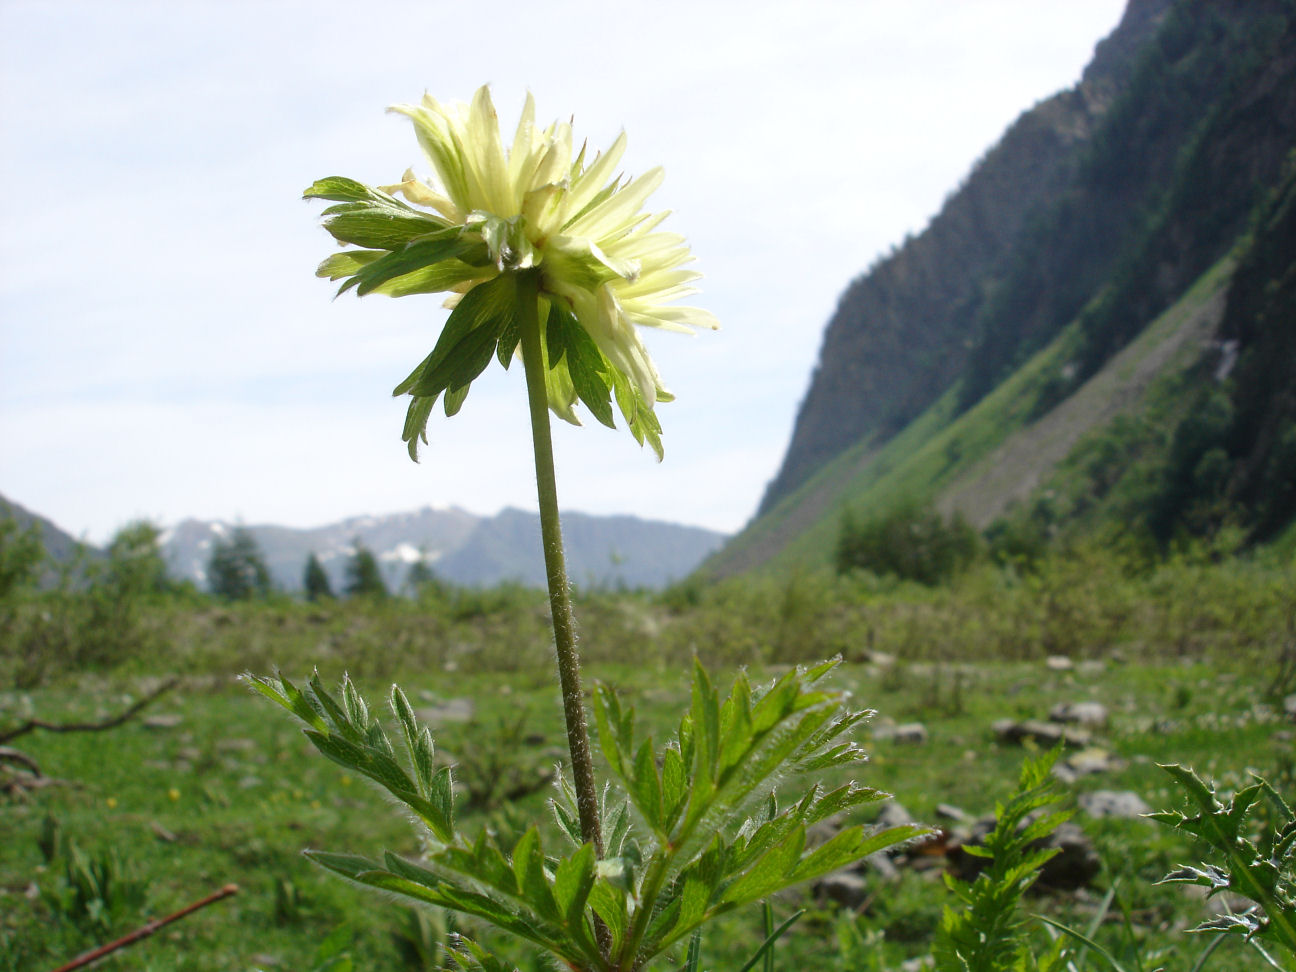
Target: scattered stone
882	863
163	720
248	782
1284	736
1086	763
881	658
161	833
1289	706
236	744
847	888
450	710
1046	734
907	732
894	814
947	811
1058	663
1090	714
1113	803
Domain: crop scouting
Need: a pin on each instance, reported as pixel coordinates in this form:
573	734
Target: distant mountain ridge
460	547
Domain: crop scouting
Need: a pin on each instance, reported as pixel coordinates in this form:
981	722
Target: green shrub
912	542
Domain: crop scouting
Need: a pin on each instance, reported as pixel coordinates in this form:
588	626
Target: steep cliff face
1103	202
902	332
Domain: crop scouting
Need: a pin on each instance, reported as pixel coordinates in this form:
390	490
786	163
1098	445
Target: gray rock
894	814
1090	714
163	720
1058	663
947	811
1046	734
908	732
1113	803
847	888
1086	763
1289	706
451	710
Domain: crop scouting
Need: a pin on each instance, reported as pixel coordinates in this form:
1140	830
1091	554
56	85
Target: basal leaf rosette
504	230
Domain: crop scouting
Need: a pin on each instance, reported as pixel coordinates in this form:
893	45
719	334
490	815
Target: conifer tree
362	573
236	569
315	580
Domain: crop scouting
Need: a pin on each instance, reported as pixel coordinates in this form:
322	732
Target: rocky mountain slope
1098	211
1130	184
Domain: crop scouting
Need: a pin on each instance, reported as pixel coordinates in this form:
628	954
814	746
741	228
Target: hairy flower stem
555	562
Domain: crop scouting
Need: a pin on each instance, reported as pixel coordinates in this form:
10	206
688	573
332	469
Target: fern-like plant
986	934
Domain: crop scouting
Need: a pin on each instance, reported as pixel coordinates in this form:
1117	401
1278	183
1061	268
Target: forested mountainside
1105	202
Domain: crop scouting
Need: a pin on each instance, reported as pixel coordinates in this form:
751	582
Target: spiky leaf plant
699	832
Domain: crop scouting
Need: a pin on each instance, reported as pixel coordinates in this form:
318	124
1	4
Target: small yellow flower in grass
111	803
540	207
173	794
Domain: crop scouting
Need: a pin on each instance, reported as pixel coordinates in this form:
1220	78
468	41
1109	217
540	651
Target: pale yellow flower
539	205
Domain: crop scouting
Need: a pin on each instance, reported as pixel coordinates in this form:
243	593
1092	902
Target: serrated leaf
573	879
850	846
646	787
348	865
610	905
484	308
1247	925
422	256
1207	876
529	868
769	873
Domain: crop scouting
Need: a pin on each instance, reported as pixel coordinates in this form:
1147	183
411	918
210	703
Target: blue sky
165	350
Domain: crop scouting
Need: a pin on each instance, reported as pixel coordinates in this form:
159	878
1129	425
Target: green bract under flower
501	225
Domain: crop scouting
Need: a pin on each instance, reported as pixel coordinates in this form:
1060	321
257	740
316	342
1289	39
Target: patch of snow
405	553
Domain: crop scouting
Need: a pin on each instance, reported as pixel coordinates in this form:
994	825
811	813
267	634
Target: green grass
233	793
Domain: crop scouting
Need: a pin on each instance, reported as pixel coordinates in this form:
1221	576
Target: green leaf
350	866
770	873
416	420
609	904
342	189
590	371
464	347
528	868
646	787
573	879
674	786
422	255
435	279
346	263
454	398
377	227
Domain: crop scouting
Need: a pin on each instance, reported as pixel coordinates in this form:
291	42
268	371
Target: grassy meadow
210	785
